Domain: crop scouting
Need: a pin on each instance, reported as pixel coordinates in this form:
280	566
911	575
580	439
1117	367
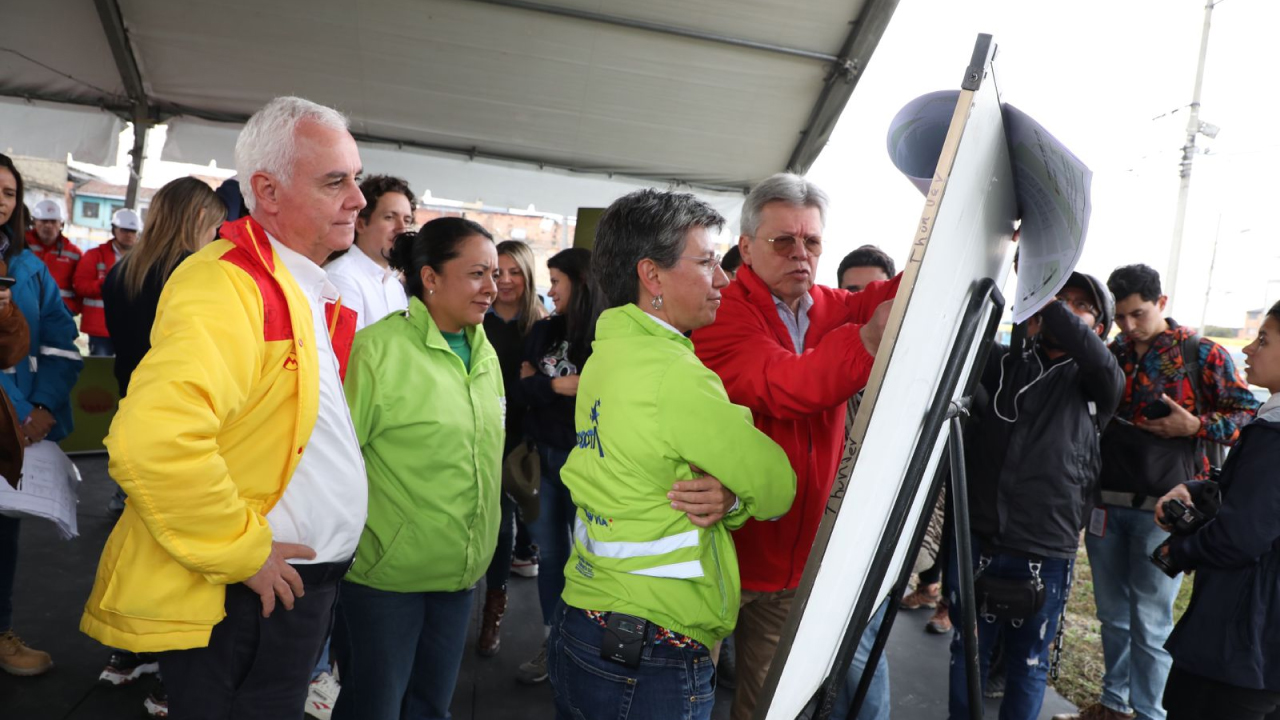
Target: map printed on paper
1051	185
49	489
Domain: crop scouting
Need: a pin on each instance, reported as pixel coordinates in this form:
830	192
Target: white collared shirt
368	288
663	323
327	500
798	322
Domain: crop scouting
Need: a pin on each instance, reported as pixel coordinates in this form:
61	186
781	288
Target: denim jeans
1135	607
8	568
671	683
876	704
553	529
398	653
1026	644
495	578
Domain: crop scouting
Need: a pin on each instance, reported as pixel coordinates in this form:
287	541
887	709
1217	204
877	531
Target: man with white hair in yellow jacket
235	445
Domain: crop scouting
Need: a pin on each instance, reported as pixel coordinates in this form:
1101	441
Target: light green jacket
647	411
431	434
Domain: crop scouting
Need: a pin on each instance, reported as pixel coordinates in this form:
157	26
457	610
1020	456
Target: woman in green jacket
427	401
649	587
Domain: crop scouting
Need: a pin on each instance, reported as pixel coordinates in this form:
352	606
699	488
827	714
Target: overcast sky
1106	78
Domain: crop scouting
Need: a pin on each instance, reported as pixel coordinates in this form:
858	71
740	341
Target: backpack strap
1191	366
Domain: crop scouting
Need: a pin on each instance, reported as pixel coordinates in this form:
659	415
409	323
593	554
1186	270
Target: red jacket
798	400
90	274
61	261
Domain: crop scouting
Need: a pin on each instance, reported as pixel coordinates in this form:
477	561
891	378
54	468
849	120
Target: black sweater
1231	630
129	320
550	414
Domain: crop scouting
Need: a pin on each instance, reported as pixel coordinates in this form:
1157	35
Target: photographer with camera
1032	459
1226	658
1183	402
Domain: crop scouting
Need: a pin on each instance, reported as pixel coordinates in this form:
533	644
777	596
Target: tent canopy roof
713	93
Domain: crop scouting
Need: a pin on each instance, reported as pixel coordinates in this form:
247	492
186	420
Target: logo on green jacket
590	439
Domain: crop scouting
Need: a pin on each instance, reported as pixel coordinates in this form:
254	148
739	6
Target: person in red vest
91	273
59	254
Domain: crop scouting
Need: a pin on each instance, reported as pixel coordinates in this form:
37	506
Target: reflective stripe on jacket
61	260
647	413
91	272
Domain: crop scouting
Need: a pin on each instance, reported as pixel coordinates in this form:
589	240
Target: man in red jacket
92	272
794	353
59	254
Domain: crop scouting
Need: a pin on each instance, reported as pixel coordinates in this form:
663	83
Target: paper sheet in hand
49	489
1051	185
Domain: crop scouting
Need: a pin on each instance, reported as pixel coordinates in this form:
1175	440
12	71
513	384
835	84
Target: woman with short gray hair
664	467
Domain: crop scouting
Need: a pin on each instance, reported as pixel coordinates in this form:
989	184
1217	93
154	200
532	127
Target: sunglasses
786	244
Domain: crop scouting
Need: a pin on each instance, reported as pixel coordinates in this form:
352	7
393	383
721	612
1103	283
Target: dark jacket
1231	631
549	420
505	338
15	345
1031	455
129	319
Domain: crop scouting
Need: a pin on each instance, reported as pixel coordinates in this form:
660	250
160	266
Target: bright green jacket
647	410
431	434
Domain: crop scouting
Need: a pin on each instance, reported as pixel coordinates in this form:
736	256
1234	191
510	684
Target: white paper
49	489
1050	182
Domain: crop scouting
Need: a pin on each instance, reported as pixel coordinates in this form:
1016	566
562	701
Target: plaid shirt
1160	370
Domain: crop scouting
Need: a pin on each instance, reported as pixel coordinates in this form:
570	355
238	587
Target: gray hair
782	187
646	224
267	143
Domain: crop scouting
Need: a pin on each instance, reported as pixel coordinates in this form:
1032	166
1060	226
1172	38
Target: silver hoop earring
656	302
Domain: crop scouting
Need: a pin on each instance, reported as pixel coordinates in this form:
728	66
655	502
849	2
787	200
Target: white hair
782	187
267	143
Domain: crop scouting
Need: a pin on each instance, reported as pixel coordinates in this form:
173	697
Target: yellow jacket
215	421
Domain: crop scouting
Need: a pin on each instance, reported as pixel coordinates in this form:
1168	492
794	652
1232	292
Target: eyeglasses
786	244
708	264
1080	305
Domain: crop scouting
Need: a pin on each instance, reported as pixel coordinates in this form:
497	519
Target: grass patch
1080	674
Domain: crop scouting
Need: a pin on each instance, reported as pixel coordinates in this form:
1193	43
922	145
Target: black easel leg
964	548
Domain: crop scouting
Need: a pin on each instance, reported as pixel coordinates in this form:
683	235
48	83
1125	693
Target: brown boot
1096	711
495	605
940	623
18	659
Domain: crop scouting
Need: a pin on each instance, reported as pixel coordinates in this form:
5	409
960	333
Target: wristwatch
42	406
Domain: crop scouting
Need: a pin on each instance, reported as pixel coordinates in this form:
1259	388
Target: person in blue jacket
39	386
1226	647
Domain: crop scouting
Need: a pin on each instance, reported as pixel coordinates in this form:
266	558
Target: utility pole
1194	127
1208	286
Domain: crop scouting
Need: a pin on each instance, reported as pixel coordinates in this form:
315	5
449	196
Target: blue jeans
1026	645
8	568
1135	607
670	683
101	346
398	653
876	704
495	578
553	529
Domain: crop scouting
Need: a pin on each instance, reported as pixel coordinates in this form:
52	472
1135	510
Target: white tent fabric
48	130
710	94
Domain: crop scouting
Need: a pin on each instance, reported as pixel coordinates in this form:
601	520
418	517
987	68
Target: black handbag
1008	599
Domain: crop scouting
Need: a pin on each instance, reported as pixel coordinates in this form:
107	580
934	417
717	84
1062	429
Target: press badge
1098	522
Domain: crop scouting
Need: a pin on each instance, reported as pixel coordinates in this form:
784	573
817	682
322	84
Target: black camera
1182	519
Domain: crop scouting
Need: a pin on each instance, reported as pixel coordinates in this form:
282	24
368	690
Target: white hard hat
47	210
126	219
